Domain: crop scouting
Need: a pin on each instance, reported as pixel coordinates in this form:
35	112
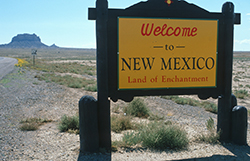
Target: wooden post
34	59
33	53
224	101
239	125
102	75
89	140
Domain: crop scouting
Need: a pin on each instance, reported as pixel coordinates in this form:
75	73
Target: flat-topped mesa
26	37
25	41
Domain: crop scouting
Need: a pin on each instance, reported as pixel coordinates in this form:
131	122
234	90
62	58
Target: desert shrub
159	136
34	119
32	124
156	135
129	139
120	123
68	123
29	126
137	108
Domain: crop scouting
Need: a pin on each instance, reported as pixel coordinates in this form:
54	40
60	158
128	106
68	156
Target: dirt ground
48	100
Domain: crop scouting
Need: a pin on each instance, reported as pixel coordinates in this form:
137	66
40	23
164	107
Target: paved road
6	66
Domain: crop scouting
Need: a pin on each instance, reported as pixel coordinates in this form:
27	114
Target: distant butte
26	41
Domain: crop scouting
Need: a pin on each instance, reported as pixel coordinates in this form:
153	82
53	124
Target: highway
6	66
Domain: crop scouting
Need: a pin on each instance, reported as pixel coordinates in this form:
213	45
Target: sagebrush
69	123
156	135
137	108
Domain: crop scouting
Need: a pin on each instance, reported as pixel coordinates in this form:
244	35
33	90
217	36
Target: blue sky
65	22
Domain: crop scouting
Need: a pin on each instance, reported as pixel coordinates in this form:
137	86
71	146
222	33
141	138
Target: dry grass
208	106
32	124
67	80
120	123
212	137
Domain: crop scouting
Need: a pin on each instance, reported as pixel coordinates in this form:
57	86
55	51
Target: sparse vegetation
212	136
159	136
129	139
92	88
67	80
120	123
241	93
51	68
137	108
182	100
187	101
21	62
155	117
69	124
76	68
32	124
156	135
248	86
208	106
237	78
116	109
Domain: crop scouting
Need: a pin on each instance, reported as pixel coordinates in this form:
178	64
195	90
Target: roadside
24	96
6	66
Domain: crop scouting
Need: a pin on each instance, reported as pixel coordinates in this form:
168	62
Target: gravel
23	96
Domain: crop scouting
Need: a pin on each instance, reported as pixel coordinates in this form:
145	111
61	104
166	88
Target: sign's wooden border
159	9
106	33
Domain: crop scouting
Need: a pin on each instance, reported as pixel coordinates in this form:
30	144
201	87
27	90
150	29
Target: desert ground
27	92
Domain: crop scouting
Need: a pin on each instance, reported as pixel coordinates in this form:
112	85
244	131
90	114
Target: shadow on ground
241	153
94	157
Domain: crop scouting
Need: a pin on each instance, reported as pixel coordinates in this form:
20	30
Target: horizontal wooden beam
92	16
237	19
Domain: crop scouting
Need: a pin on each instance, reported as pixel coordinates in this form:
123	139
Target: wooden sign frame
160	9
107	58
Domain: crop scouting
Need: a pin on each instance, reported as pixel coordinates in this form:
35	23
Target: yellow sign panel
166	53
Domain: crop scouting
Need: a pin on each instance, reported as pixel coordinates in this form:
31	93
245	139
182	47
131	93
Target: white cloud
245	41
248	14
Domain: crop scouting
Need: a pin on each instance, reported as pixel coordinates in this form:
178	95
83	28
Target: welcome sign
181	49
158	53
